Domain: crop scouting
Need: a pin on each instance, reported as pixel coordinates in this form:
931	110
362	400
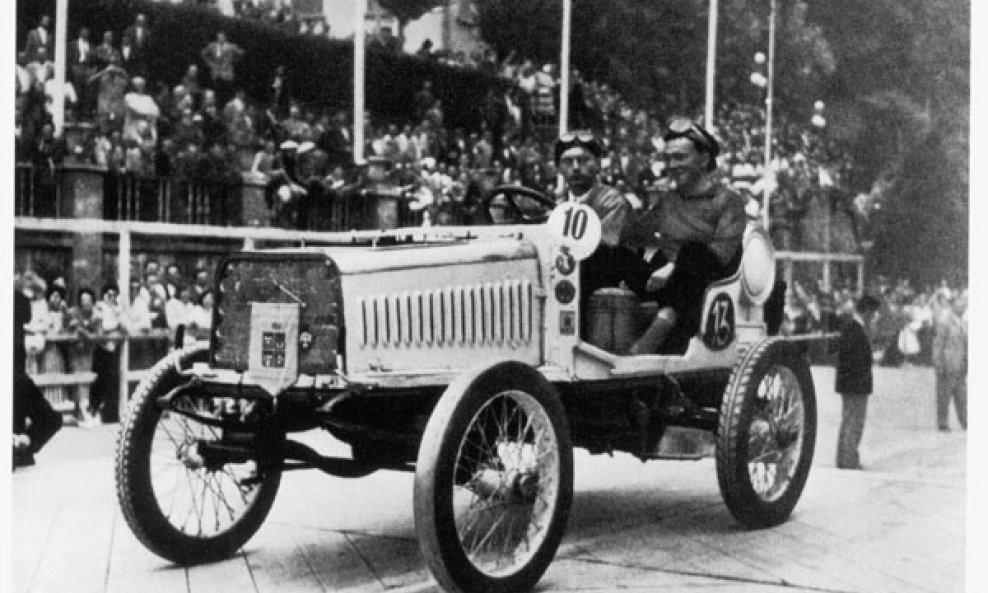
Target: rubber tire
732	435
434	521
134	490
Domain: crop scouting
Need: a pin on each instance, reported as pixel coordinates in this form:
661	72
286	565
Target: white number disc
576	227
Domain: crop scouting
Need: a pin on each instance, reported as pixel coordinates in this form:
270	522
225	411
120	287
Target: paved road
899	526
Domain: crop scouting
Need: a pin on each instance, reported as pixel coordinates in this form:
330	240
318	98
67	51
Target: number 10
576	224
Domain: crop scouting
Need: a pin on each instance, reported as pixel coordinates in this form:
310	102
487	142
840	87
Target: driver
695	229
577	156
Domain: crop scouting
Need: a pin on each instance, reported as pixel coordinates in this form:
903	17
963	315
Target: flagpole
360	18
708	112
769	98
61	33
564	68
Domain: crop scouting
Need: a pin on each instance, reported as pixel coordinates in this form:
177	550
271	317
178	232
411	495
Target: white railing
787	258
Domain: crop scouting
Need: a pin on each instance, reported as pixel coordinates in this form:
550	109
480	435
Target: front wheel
766	434
494	481
183	504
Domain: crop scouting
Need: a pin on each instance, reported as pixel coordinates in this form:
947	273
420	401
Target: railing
43	192
36	190
63	367
787	258
168	199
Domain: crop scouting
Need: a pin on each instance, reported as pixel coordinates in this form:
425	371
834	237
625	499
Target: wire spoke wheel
197	498
766	434
184	501
775	435
510	452
494	481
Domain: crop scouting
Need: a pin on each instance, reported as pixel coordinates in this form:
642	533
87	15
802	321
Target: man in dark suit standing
40	37
140	42
81	66
220	57
853	380
35	422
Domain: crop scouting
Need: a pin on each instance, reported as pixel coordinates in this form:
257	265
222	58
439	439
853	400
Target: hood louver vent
498	313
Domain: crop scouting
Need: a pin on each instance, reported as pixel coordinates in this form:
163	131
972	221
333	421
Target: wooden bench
76	393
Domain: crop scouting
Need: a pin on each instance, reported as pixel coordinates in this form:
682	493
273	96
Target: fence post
123	283
861	278
83	196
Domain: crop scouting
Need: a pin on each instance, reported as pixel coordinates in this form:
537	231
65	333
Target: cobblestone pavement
899	526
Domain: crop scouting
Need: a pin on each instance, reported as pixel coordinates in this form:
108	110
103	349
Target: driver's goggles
582	138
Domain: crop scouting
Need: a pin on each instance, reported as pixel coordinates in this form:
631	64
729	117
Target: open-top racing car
458	353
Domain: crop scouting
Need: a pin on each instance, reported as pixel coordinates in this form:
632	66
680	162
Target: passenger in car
695	230
577	156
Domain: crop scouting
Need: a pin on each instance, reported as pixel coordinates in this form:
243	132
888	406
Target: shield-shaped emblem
273	360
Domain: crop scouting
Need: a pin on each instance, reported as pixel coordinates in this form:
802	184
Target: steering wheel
514	213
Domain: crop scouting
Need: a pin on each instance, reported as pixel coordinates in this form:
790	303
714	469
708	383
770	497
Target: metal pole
61	34
708	112
360	18
123	296
768	108
564	67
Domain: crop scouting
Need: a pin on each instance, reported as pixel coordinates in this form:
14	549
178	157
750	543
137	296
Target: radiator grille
245	279
493	313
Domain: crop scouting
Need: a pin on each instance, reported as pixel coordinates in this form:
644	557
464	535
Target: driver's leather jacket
612	208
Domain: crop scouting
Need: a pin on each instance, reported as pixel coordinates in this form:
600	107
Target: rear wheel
183	503
494	481
766	434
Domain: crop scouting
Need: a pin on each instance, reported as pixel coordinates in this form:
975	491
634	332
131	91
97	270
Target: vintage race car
457	353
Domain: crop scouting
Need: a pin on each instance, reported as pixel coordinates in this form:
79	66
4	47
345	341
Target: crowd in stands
204	126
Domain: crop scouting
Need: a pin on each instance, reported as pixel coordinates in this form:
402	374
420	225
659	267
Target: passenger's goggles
682	127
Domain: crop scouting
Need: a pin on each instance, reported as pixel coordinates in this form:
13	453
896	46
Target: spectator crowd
205	126
82	332
905	325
